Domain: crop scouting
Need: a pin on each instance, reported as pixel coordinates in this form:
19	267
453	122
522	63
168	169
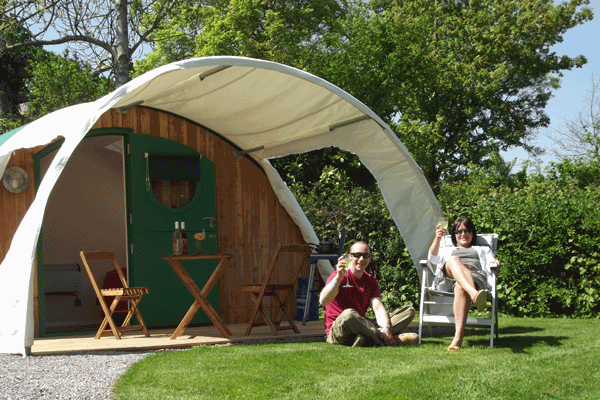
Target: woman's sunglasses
461	231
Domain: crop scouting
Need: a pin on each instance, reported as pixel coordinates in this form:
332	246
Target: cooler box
313	311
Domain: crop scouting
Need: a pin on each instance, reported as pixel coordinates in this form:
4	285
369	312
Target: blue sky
575	84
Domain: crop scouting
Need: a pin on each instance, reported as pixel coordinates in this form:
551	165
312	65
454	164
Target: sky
575	84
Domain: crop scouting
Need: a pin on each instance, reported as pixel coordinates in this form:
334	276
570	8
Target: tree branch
101	68
63	40
165	8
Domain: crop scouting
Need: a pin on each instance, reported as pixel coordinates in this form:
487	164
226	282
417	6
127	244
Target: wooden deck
161	339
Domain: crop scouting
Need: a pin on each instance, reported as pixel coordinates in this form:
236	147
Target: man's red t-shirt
357	297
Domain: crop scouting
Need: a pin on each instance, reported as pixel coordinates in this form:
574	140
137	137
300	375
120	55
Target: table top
195	256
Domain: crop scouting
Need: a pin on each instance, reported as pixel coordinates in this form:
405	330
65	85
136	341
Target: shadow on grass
520	344
516	338
519	330
519	339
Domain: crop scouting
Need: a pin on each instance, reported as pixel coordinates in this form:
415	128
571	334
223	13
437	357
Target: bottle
184	240
177	240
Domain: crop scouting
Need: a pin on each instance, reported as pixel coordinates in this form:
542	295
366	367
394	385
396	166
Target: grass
533	359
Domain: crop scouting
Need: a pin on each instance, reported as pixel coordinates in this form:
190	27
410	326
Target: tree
59	81
13	75
105	32
580	138
458	81
34	82
53	82
283	31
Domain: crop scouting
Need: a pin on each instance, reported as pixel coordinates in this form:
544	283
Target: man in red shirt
347	297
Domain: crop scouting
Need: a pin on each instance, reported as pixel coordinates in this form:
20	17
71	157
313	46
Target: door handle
211	221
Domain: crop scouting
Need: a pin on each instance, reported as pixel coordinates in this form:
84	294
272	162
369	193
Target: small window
173	179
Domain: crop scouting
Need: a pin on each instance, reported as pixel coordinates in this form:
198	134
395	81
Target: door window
173	179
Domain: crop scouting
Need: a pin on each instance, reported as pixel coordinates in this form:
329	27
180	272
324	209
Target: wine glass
443	223
349	260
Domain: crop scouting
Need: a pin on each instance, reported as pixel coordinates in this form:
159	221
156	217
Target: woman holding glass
465	267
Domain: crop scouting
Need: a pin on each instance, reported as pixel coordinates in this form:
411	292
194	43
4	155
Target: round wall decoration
15	179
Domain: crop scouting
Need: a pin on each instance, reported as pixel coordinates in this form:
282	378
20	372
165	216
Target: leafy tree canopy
59	81
14	71
287	32
51	82
457	80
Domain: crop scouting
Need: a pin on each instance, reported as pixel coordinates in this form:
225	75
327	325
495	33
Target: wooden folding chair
132	295
267	289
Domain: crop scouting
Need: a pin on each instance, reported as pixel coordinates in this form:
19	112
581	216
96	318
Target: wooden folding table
200	296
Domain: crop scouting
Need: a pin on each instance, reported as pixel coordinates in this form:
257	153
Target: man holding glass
348	294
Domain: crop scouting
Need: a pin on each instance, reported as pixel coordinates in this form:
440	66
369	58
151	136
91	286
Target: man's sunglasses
359	255
461	231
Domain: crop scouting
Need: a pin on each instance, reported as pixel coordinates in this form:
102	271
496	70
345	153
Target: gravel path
79	376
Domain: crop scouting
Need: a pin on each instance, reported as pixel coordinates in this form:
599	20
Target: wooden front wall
13	206
250	219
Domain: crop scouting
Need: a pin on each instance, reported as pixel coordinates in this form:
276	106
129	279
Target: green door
168	182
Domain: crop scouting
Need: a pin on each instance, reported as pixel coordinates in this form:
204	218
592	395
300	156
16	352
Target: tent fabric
267	110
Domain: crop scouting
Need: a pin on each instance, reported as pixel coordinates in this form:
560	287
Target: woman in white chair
465	267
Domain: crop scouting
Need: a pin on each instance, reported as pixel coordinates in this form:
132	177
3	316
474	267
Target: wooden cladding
13	206
250	219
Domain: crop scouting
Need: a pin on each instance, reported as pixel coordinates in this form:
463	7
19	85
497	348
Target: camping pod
187	142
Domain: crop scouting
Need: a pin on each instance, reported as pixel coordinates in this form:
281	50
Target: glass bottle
184	239
177	240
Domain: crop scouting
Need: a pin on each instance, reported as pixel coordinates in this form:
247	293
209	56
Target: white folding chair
435	306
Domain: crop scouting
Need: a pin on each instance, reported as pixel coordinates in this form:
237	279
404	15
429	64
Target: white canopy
268	109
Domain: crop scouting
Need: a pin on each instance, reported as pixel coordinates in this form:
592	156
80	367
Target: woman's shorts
479	277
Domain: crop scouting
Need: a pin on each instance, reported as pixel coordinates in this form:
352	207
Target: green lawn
533	359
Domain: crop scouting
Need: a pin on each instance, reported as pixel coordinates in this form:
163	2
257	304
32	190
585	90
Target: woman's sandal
453	347
480	299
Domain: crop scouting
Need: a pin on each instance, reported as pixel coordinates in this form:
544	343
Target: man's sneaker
408	339
359	341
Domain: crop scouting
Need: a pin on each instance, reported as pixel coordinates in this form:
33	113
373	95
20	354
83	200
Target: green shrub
548	241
